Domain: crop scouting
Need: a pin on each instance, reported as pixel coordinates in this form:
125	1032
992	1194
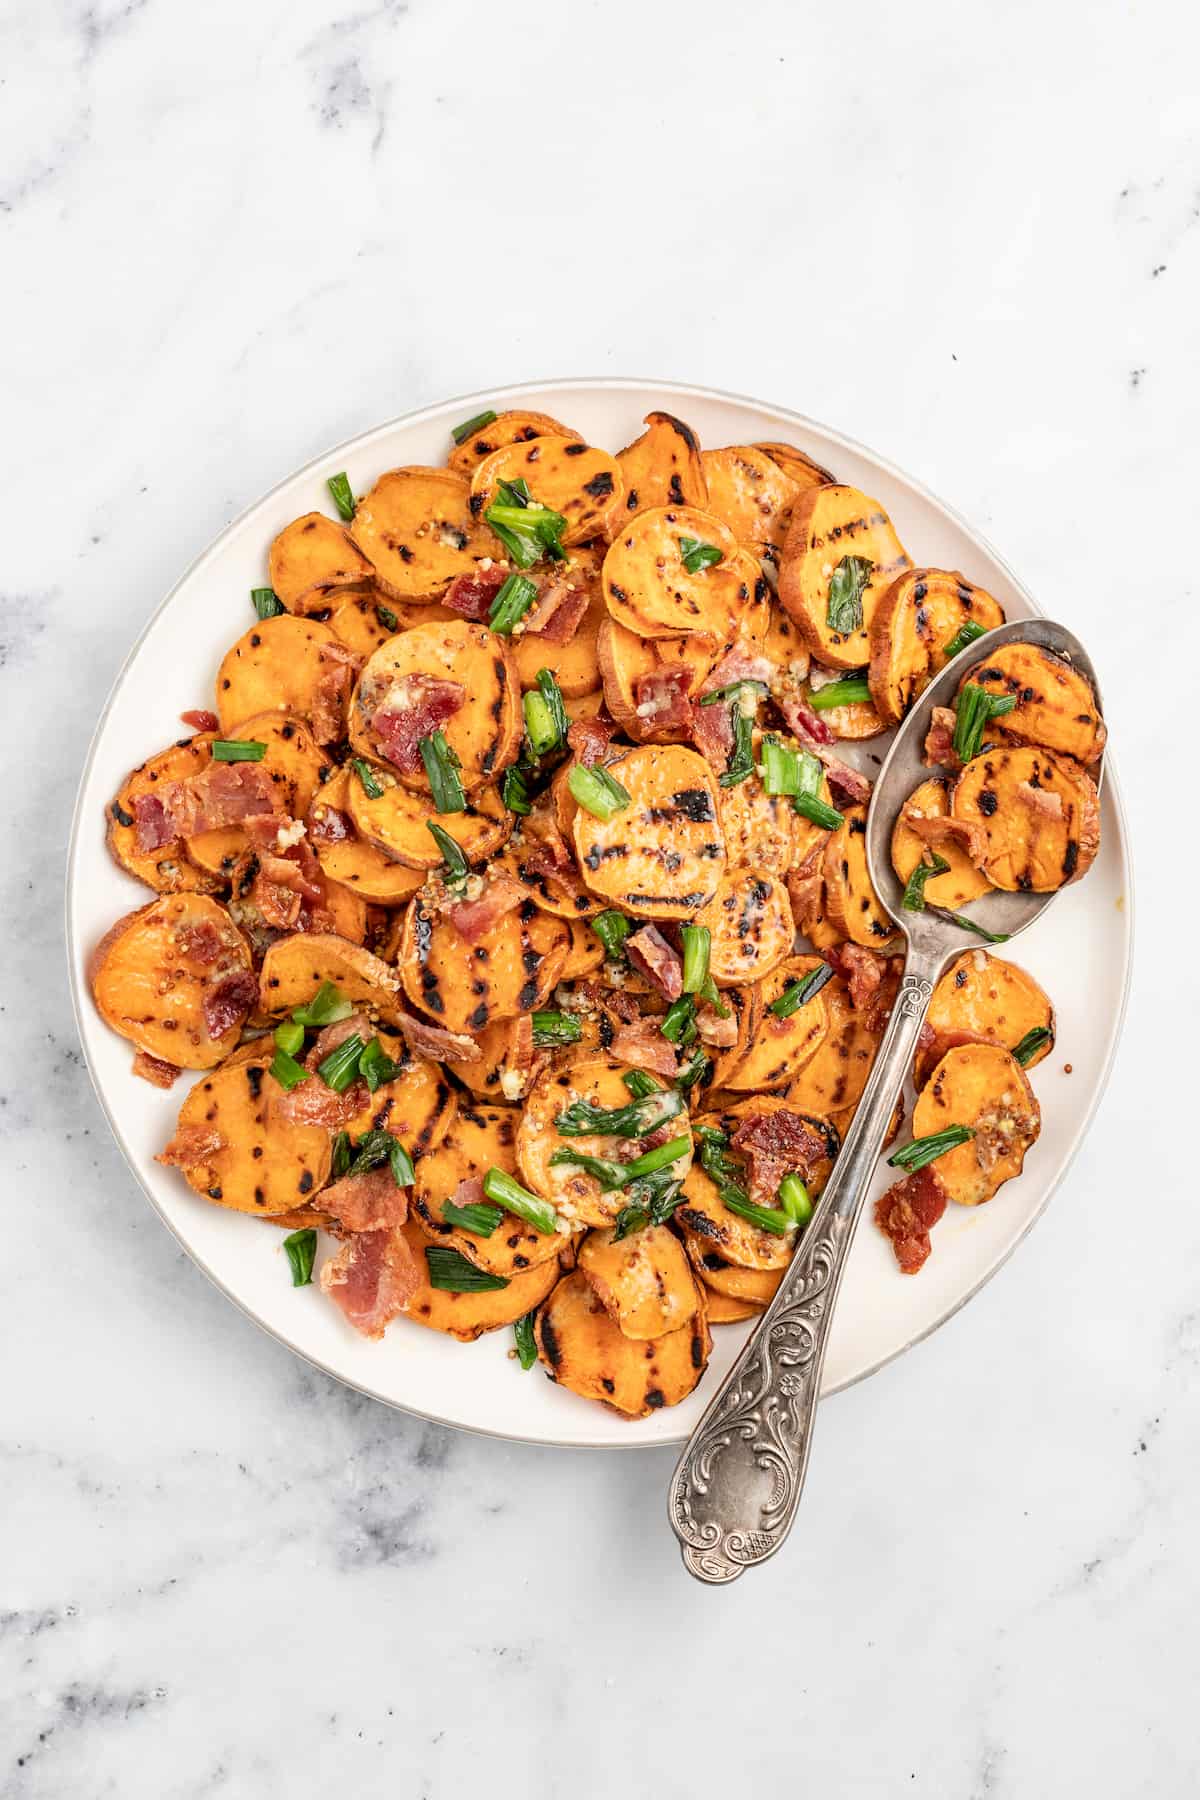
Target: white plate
1080	950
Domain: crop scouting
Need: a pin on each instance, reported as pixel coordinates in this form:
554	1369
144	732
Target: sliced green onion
812	807
551	693
989	937
451	1273
266	603
370	1152
232	750
343	497
301	1247
400	1162
339	1163
653	1200
758	688
697	943
852	690
781	769
287	1070
376	1067
798	992
968	631
679	1021
924	1150
338	1069
455	863
552	1028
710	995
525	1341
652	1160
973	710
636	1120
699	1068
698	555
540	728
373	788
460	433
640	1084
327	1006
914	887
844	613
506	1192
1033	1041
387	618
515	793
741	762
767	1218
482	1219
512	602
612	928
289	1037
794	1199
598	792
527	531
442	766
603	1169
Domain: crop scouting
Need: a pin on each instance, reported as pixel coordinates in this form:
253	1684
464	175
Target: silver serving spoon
736	1487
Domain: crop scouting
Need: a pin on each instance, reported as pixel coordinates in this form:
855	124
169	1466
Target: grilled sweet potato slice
643	1281
465	986
663	855
364	621
575	664
723	1310
982	997
484	730
834	1078
512	427
981	1086
507	1063
418	532
913	622
397	821
796	465
312	562
1039	812
348	859
295	967
649	589
781	1047
481	1138
754	1288
628	664
962	881
663	467
247	1156
1056	706
751	494
294	765
468	1316
174	978
851	903
276	666
760	829
586	953
585	485
704	1215
829	524
167	870
582	1349
751	926
418	1105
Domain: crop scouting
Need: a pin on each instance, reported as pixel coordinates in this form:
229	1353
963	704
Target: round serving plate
1079	950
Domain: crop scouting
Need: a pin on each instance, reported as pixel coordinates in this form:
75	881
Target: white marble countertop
239	232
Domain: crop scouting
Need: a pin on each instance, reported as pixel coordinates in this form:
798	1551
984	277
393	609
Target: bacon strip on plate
222	794
415	706
372	1279
656	959
367	1202
776	1144
473	919
906	1214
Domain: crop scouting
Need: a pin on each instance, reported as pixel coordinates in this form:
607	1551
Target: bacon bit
590	739
643	1046
1046	801
472	919
433	1041
367	1202
222	794
331	1037
776	1144
372	1279
326	825
191	1146
652	956
312	1103
712	733
848	786
200	719
740	663
227	1002
288	872
861	969
471	596
558	612
153	1069
416	706
906	1214
341	653
200	943
804	723
540	826
720	1033
611	1000
662	701
939	747
948	830
332	694
469	1192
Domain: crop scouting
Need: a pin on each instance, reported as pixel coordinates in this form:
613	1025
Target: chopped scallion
512	602
326	1007
301	1248
515	793
636	1120
400	1163
343	496
697	555
798	993
741	762
453	861
598	792
1034	1040
968	631
844	612
553	1028
973	710
527	531
460	433
442	766
482	1219
376	1067
851	691
679	1021
767	1218
338	1069
387	618
287	1071
924	1150
451	1273
697	943
612	928
266	603
640	1084
289	1037
795	1200
914	887
235	750
372	786
525	1340
339	1163
506	1192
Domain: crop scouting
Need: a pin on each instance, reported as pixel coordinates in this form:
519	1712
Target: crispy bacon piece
862	970
848	786
226	1001
330	1037
471	596
650	953
948	830
200	719
906	1214
776	1144
661	698
558	612
416	705
643	1046
280	889
329	826
312	1103
222	794
804	723
469	1192
367	1202
331	697
939	750
473	919
711	729
1038	799
153	1069
740	663
191	1145
372	1279
200	943
806	888
590	739
434	1042
611	1000
714	1030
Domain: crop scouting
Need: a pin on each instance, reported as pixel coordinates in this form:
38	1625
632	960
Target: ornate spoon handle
735	1490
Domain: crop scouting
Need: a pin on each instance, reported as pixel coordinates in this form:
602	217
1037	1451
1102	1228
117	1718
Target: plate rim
361	440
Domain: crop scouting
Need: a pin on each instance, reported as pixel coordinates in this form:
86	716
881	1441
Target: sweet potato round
151	971
829	523
582	1349
265	1164
418	532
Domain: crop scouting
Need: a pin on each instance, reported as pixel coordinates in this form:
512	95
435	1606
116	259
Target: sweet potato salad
510	901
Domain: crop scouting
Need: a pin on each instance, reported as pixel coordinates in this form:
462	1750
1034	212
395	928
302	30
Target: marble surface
237	233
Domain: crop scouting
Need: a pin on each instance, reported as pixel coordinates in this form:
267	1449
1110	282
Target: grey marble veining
237	233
